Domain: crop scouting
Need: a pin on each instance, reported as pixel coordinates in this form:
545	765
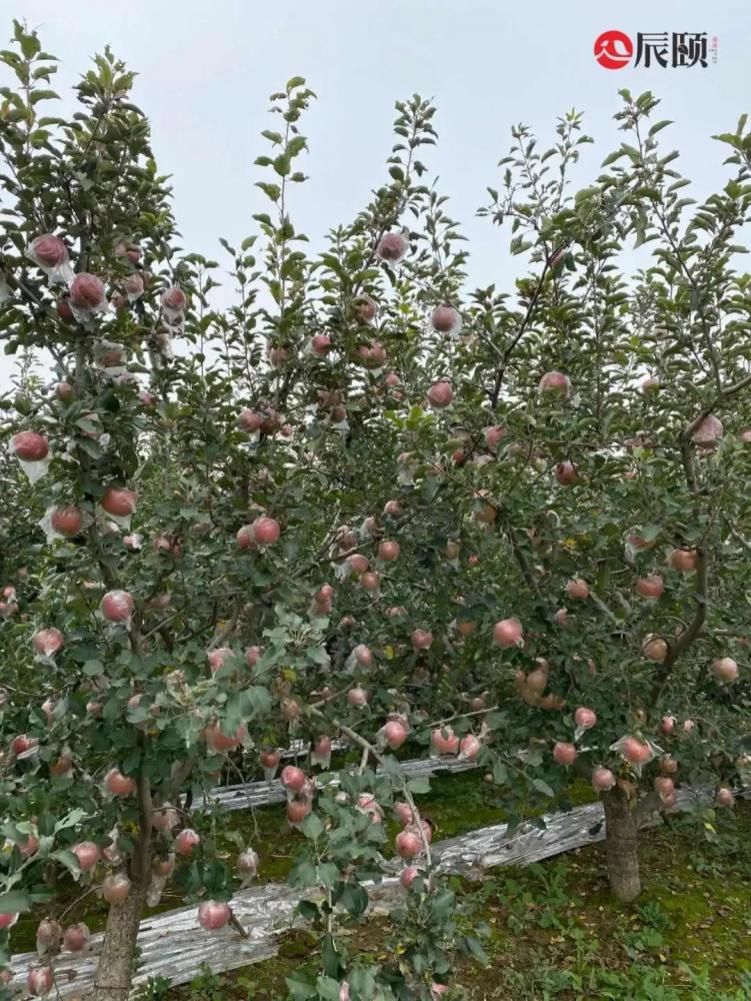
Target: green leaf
542	786
419	786
15	902
658	126
312	826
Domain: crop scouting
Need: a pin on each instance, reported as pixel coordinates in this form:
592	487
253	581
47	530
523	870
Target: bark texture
622	846
117	960
116	965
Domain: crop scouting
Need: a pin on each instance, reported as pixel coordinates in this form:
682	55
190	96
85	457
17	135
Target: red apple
213	915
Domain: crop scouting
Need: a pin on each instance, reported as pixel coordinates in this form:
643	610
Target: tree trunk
622	846
116	965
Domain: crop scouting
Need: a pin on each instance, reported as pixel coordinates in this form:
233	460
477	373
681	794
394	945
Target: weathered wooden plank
173	945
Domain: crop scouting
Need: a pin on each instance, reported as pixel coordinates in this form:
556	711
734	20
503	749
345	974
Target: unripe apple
64	392
213	915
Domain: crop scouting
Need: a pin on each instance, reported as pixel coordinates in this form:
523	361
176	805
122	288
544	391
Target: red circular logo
613	50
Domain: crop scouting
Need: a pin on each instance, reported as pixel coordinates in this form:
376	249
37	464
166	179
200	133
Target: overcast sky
207	67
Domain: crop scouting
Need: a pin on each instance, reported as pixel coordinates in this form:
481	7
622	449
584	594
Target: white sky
207	67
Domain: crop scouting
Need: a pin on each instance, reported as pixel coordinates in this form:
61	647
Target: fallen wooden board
255	794
173	945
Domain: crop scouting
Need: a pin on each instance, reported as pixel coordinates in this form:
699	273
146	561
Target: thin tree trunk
622	846
116	965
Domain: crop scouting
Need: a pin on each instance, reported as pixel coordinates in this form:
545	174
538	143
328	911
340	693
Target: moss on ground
555	933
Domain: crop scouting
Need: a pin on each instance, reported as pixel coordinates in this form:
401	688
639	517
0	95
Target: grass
555	933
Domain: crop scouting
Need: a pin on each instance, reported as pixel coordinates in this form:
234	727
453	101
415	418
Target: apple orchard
363	503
